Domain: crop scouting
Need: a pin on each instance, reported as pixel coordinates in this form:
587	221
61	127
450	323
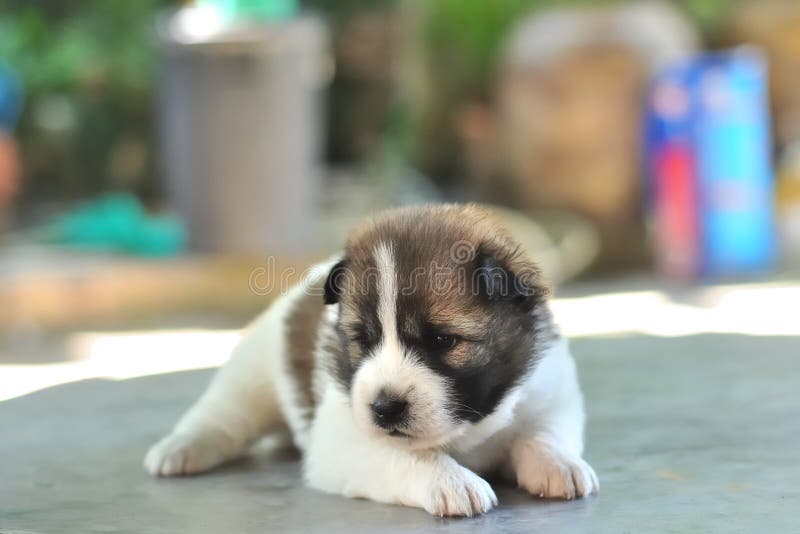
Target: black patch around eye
439	342
362	340
505	356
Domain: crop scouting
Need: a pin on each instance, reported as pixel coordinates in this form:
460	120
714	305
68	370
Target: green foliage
95	57
706	13
56	44
465	35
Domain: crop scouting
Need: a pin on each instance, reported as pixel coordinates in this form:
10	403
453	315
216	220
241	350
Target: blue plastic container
709	163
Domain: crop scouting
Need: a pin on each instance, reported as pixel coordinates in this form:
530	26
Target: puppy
422	356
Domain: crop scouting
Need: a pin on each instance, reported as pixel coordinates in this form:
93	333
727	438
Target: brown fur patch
442	235
302	324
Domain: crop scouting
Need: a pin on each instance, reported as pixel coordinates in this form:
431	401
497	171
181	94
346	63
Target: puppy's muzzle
389	411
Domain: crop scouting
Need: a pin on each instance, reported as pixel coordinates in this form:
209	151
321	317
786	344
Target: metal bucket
240	131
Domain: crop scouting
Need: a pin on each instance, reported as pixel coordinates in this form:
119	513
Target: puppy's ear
335	284
499	282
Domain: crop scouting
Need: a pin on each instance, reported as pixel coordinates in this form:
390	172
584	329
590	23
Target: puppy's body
423	355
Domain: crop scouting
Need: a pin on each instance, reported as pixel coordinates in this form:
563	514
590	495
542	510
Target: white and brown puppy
422	356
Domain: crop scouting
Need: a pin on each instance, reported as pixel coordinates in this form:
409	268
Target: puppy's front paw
181	454
457	491
548	474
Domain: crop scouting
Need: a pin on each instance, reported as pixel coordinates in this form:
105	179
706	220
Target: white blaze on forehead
387	294
389	368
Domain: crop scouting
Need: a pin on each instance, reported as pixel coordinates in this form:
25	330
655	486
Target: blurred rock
563	128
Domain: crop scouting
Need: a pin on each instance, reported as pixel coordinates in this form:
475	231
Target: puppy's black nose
388	410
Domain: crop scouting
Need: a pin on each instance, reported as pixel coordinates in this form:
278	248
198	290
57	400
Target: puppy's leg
546	455
239	406
342	459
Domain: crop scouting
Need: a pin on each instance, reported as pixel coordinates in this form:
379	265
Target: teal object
115	223
254	9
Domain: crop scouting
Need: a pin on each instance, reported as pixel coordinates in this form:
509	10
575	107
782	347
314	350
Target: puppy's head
441	316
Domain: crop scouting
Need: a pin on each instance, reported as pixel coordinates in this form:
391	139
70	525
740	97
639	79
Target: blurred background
162	163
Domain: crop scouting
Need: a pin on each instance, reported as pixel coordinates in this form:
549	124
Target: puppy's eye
360	338
441	342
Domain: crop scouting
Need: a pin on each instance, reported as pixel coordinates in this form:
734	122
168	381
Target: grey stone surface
689	434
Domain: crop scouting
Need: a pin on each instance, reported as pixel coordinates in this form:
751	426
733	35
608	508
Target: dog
423	355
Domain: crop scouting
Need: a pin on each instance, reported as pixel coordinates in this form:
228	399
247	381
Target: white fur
342	459
248	398
387	296
534	437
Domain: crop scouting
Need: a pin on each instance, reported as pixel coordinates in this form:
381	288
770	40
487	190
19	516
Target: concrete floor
688	434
